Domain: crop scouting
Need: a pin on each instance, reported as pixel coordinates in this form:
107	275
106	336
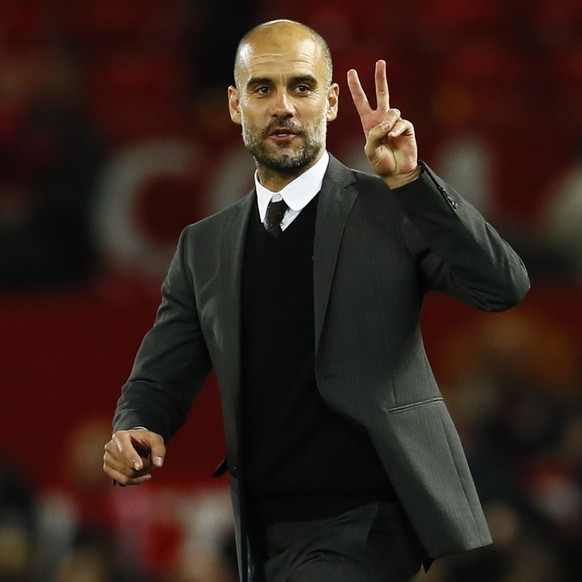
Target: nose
282	105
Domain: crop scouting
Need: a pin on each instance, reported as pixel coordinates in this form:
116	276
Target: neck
275	179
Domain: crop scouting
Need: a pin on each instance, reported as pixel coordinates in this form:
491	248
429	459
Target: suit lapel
232	246
228	312
336	199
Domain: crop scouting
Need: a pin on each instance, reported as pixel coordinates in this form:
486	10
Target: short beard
291	161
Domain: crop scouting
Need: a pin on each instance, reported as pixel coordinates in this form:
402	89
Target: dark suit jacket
376	252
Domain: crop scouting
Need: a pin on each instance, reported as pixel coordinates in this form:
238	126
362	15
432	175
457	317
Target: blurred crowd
513	385
82	83
514	389
82	529
114	134
114	129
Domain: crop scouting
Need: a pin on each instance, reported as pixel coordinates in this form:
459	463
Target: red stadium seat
111	24
136	95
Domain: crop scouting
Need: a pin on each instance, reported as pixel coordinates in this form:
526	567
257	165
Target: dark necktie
275	212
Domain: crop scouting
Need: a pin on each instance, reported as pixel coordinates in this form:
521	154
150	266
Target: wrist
402	179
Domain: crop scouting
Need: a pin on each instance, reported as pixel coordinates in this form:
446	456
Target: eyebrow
308	79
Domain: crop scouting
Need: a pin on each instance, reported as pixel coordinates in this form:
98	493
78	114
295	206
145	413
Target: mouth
282	134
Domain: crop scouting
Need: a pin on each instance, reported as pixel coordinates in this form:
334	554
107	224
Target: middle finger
382	92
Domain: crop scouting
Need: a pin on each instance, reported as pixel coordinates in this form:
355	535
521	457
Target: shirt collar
298	193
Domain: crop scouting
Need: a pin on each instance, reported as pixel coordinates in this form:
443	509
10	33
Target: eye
303	88
260	90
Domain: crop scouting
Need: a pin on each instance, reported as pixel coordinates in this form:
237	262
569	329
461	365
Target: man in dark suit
343	461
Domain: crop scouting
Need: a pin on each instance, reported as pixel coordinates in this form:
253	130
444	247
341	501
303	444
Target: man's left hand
390	140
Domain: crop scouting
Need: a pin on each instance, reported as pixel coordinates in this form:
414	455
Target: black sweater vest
302	460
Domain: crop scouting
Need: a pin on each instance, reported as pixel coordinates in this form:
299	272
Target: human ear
332	101
234	104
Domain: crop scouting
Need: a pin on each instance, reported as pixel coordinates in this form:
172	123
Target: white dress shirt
297	194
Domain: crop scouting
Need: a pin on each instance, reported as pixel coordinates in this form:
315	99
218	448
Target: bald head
279	34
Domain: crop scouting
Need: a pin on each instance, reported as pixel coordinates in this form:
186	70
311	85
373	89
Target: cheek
250	117
251	131
247	123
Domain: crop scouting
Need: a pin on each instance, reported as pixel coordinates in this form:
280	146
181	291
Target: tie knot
274	216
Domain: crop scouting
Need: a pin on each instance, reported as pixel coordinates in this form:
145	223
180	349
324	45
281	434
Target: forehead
272	55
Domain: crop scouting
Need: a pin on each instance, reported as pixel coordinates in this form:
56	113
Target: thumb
158	454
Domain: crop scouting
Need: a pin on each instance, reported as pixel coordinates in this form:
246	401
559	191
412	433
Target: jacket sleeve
457	251
172	362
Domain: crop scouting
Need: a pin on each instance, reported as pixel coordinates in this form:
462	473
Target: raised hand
390	140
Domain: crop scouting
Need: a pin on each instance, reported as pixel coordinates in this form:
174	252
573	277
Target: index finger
382	91
357	92
127	451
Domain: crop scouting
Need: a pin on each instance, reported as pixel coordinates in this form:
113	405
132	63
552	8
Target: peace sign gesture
390	141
